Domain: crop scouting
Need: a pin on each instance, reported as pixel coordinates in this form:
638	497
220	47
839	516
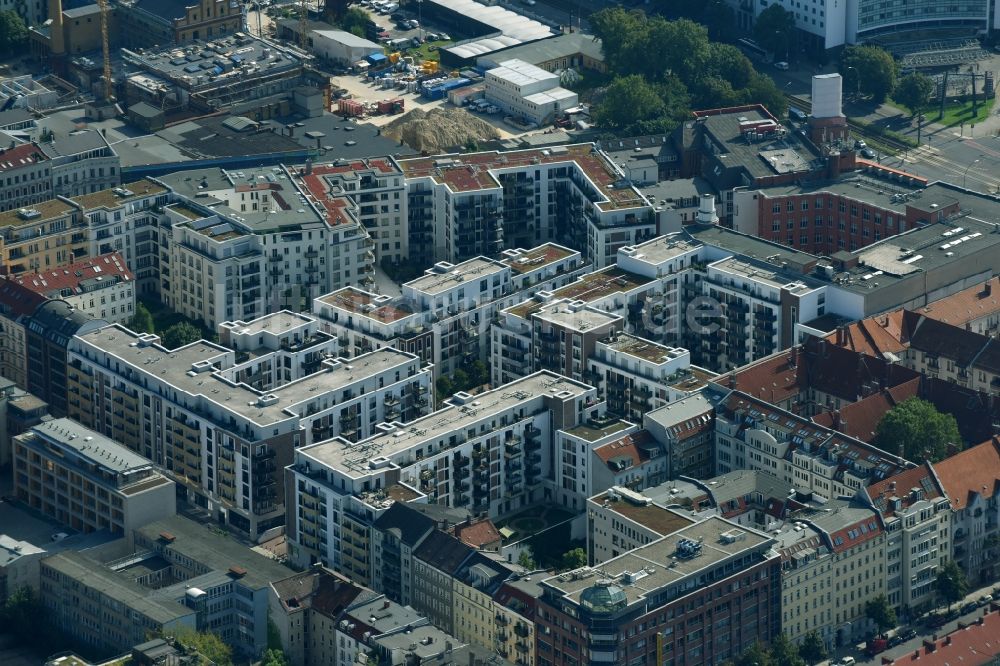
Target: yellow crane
108	82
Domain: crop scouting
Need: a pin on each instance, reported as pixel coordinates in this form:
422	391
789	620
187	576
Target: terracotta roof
975	470
967	305
478	534
860	419
19	156
633	450
973	645
107	269
17	300
920	477
873	336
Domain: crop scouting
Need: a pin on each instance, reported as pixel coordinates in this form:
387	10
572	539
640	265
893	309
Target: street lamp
965	175
857	81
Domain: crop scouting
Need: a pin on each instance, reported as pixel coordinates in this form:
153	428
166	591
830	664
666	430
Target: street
965	157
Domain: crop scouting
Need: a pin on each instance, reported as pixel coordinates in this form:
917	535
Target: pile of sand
439	129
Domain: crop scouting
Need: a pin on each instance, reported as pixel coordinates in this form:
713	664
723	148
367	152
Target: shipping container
350	108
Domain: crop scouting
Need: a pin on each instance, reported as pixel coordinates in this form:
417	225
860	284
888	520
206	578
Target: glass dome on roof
604	597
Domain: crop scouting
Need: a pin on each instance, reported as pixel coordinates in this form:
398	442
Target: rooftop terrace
526	261
120	195
642	349
364	304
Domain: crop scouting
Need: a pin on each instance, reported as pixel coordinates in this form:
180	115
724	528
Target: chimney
57	41
836	420
841	335
930	645
947	639
309	167
987	289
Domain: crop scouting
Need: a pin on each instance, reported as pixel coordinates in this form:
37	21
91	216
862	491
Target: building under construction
219	74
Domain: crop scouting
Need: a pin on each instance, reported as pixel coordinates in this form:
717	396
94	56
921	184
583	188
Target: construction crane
303	26
108	82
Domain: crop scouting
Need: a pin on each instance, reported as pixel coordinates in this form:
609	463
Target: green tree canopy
525	560
914	92
142	320
869	69
574	559
208	645
755	655
274	658
785	653
354	20
629	99
180	334
23	616
951	584
813	650
618	29
916	430
774	30
13	32
762	90
879	611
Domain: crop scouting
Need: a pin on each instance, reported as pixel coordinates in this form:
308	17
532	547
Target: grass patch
426	51
956	114
164	318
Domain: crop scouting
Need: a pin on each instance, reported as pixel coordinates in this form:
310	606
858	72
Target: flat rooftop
444	276
526	261
776	154
355	458
469	172
642	349
365	304
46	210
657	518
218	552
662	248
752	246
93	574
117	196
574	318
603	283
656	556
592	432
765	274
275	322
91	446
175	368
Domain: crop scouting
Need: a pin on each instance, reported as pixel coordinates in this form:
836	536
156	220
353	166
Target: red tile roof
920	477
861	418
974	645
17	300
964	306
20	156
478	534
56	282
975	470
629	447
873	336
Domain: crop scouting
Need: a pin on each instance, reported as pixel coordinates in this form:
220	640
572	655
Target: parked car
969	607
985	599
860	144
782	65
907	634
847	661
868	153
59	536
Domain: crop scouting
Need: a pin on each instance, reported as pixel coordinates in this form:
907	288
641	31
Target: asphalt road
944	154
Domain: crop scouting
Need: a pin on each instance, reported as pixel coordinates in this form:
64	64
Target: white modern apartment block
486	452
225	441
526	91
444	316
126	220
636	375
464	205
245	243
575	459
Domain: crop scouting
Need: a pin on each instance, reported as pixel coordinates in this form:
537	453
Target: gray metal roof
90	445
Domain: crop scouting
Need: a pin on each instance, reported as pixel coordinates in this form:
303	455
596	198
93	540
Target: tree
274	658
785	653
628	100
142	320
460	378
23	616
914	92
479	374
681	45
445	387
354	21
951	583
870	70
755	655
916	430
774	30
207	644
574	559
729	64
13	32
813	650
335	10
881	613
525	560
180	334
617	29
762	90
